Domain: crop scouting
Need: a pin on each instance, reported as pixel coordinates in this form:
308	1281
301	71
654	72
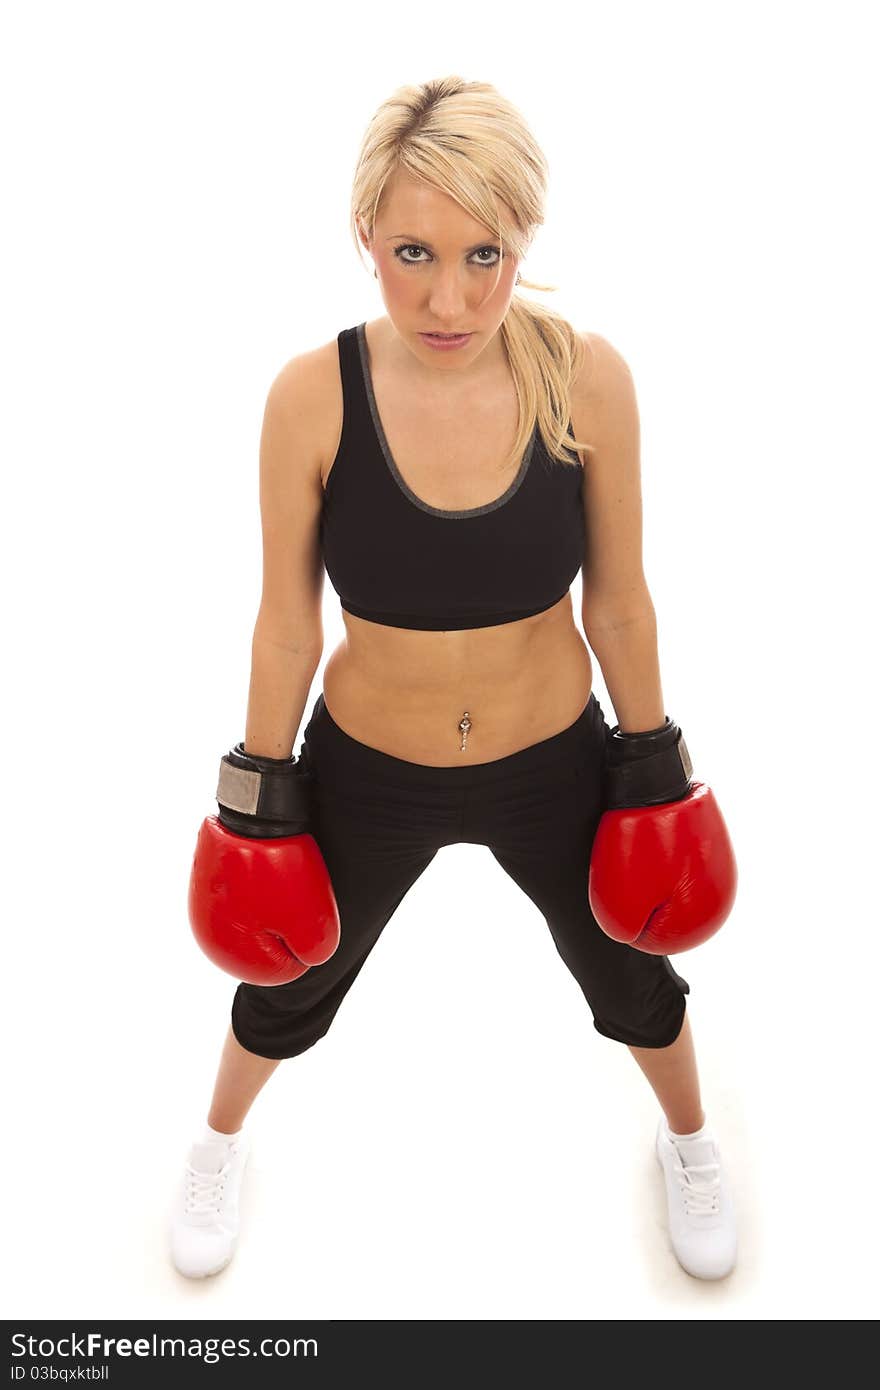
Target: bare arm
630	666
288	635
617	610
279	687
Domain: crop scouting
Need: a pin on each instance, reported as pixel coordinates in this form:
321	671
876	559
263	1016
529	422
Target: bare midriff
406	692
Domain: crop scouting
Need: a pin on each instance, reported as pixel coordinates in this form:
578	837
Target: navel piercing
464	725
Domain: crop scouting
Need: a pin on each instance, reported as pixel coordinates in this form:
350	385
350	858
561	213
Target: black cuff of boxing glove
646	769
257	828
264	798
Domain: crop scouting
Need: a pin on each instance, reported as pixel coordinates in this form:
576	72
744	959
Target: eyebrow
420	241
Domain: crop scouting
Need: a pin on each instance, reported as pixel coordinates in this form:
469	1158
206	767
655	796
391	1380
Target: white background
462	1144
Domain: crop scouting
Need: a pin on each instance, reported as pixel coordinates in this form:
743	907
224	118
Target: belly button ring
464	725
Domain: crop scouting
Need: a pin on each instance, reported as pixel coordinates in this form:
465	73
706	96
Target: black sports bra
395	560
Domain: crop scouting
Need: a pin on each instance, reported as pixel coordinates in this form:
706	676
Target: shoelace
699	1197
204	1190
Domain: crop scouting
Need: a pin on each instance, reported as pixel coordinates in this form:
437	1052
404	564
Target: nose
448	295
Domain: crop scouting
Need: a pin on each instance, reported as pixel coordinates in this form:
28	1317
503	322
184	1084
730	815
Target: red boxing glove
261	904
662	871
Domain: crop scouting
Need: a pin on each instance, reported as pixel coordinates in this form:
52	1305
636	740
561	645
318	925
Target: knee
643	1003
659	1028
272	1031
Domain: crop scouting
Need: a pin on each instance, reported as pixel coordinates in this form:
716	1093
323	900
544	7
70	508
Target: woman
439	488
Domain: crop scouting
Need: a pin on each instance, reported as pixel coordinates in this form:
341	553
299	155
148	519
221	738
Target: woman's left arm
662	874
630	666
617	611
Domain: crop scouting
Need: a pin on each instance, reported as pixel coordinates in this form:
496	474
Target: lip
445	343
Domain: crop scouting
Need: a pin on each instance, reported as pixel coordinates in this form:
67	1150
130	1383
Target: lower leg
240	1077
672	1074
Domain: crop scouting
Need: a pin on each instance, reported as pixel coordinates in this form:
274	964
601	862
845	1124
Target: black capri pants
379	821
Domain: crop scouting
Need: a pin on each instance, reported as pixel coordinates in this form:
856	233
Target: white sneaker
702	1219
205	1219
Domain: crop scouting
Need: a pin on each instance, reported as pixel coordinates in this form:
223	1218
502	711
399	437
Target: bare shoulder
307	393
604	370
603	397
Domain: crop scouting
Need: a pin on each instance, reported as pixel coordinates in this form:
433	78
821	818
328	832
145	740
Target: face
436	268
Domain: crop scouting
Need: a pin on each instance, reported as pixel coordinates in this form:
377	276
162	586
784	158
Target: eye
407	246
413	246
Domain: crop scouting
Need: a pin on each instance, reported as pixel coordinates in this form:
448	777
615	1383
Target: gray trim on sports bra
395	471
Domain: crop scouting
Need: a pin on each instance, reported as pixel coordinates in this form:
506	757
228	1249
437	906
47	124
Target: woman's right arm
288	636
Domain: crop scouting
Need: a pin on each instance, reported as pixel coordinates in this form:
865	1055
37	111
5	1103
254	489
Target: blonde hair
468	141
